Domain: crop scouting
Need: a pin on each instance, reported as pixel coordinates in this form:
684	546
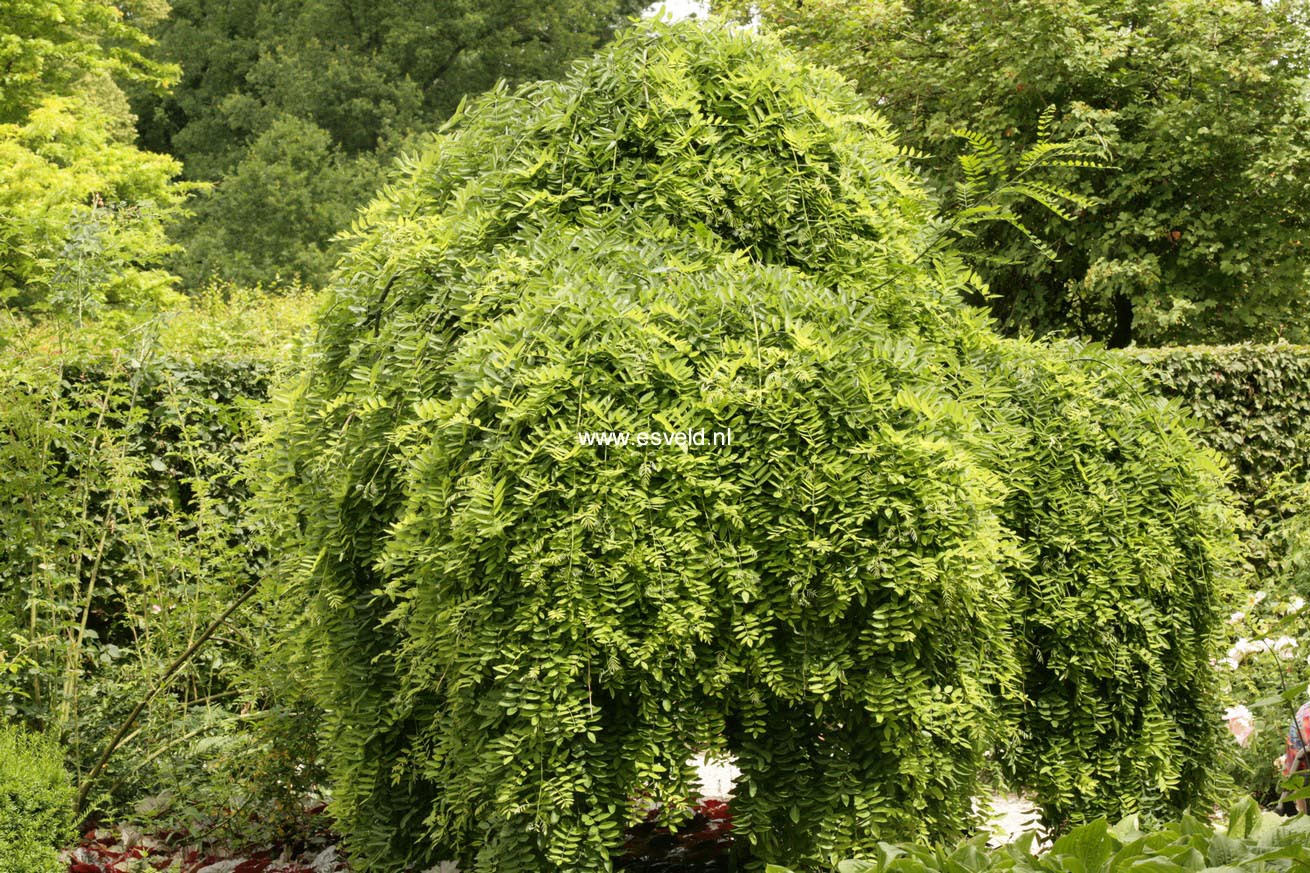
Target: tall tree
283	97
1200	231
50	47
82	209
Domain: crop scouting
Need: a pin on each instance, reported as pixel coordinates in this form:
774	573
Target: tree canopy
295	106
51	46
1199	232
83	211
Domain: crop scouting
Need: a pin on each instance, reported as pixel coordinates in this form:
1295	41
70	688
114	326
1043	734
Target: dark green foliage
1253	402
1252	840
291	106
1198	235
514	634
36	802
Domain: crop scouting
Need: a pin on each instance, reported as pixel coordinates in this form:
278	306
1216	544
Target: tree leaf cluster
1199	233
128	528
1250	403
84	213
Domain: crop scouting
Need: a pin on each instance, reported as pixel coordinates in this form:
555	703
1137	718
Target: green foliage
916	550
1200	233
1252	400
1263	673
82	216
1128	547
1252	403
36	802
51	47
127	530
1252	840
292	106
293	181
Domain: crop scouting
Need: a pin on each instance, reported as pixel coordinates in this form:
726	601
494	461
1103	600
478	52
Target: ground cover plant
924	543
1249	840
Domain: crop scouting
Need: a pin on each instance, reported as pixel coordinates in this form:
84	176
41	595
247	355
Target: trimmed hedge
1253	406
1252	400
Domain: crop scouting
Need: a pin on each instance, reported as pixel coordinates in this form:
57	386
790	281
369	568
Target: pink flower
1241	724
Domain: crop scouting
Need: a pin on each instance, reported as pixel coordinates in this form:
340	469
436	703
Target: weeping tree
905	559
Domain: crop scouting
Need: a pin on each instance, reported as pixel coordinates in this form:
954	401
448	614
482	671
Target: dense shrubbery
513	634
128	530
1254	401
36	802
1126	565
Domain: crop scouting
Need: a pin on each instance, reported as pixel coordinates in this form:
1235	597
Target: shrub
1129	557
36	802
514	633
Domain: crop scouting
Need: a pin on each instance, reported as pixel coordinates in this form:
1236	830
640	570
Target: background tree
1198	236
51	46
293	107
82	209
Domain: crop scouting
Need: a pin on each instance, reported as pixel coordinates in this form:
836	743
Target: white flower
1258	597
1236	617
1296	604
1283	647
1241	724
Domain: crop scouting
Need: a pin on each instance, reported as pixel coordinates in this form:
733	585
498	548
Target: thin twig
177	664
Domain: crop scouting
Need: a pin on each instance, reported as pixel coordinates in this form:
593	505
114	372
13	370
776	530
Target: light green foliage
295	104
50	47
82	210
82	217
513	634
36	802
1198	235
123	499
1129	549
1251	840
1263	673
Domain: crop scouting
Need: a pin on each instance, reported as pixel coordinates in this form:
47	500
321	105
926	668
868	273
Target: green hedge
1253	406
1252	400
